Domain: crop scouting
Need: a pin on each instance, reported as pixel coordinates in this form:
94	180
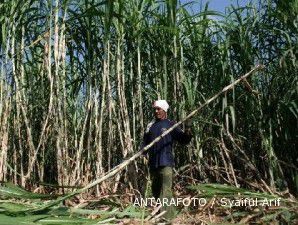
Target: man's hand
188	123
188	126
144	158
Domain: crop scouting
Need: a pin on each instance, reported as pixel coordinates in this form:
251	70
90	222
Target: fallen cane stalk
122	165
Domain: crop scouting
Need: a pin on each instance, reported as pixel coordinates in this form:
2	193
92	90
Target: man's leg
166	191
156	182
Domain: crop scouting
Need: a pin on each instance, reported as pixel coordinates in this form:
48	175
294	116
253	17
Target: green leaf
10	190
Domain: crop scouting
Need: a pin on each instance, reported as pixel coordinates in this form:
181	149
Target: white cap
161	104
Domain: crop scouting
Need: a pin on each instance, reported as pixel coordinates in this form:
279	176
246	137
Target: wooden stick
122	165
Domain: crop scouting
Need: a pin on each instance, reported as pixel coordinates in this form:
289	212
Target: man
161	160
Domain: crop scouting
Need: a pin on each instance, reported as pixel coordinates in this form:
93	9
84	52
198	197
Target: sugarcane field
148	112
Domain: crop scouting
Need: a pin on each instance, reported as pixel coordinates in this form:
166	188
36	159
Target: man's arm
183	137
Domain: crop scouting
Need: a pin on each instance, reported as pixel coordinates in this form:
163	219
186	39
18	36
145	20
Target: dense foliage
78	78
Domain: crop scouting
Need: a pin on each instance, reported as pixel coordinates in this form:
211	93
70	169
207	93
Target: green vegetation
22	209
77	80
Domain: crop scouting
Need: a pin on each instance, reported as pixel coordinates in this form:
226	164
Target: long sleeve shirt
160	154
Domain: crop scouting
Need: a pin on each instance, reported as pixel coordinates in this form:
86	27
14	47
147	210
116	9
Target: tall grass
78	78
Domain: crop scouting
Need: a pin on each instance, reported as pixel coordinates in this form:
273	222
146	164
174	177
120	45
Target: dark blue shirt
160	154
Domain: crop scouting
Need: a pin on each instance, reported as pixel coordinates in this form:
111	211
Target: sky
216	5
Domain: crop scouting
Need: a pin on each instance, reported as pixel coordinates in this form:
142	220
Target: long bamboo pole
122	165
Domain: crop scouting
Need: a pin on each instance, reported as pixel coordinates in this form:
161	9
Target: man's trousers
162	181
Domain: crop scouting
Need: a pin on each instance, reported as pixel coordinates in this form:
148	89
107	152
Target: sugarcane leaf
12	191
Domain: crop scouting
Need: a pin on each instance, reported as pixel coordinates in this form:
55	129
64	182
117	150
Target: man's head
160	109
